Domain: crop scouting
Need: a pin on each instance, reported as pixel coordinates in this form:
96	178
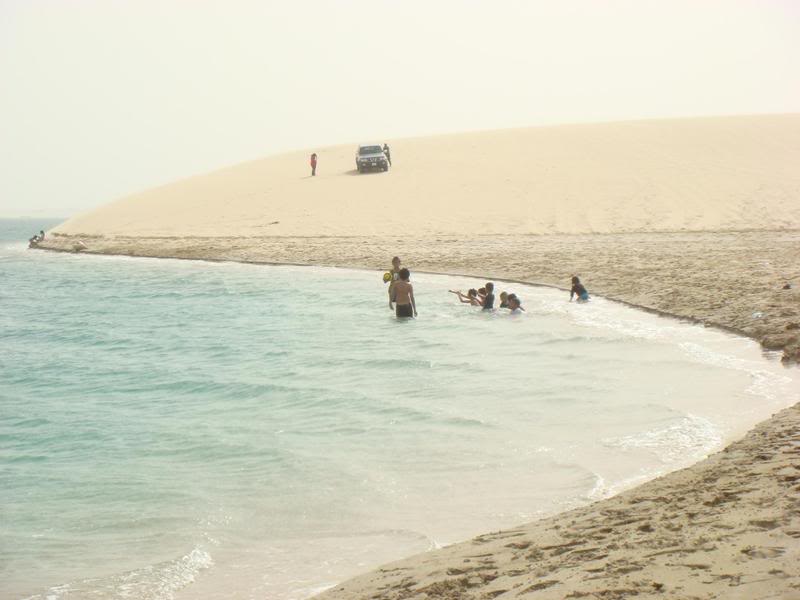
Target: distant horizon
32	218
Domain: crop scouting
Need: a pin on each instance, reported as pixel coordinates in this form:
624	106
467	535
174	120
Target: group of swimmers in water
484	297
401	294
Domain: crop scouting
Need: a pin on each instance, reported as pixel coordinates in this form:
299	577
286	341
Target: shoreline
513	562
652	311
649	310
791	351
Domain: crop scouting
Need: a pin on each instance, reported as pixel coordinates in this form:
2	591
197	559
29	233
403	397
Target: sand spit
696	218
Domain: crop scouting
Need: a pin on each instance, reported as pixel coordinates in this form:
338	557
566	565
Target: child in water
470	298
514	305
488	298
503	299
404	296
578	290
395	271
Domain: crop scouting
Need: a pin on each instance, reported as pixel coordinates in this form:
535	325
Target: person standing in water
488	299
578	290
387	153
404	296
313	163
395	271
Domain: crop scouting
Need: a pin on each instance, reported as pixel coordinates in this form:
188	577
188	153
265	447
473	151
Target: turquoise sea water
176	429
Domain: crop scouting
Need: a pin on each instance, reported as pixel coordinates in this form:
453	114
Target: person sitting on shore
578	290
404	296
515	305
470	298
487	303
503	299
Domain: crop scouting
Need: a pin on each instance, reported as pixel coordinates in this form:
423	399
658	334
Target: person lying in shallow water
471	297
483	297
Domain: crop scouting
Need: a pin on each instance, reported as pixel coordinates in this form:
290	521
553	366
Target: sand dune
704	174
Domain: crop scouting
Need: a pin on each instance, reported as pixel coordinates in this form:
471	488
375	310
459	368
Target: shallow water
174	429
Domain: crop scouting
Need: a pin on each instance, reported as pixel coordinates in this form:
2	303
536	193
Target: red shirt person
313	163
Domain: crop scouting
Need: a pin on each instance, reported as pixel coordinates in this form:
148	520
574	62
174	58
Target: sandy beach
694	218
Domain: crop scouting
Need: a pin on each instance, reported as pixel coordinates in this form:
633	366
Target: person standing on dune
313	163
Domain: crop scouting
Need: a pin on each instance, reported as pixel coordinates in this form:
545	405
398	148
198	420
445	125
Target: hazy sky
102	98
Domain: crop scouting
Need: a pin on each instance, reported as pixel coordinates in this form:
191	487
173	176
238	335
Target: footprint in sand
763	552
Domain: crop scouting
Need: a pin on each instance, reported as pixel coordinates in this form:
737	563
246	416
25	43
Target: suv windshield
370	150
